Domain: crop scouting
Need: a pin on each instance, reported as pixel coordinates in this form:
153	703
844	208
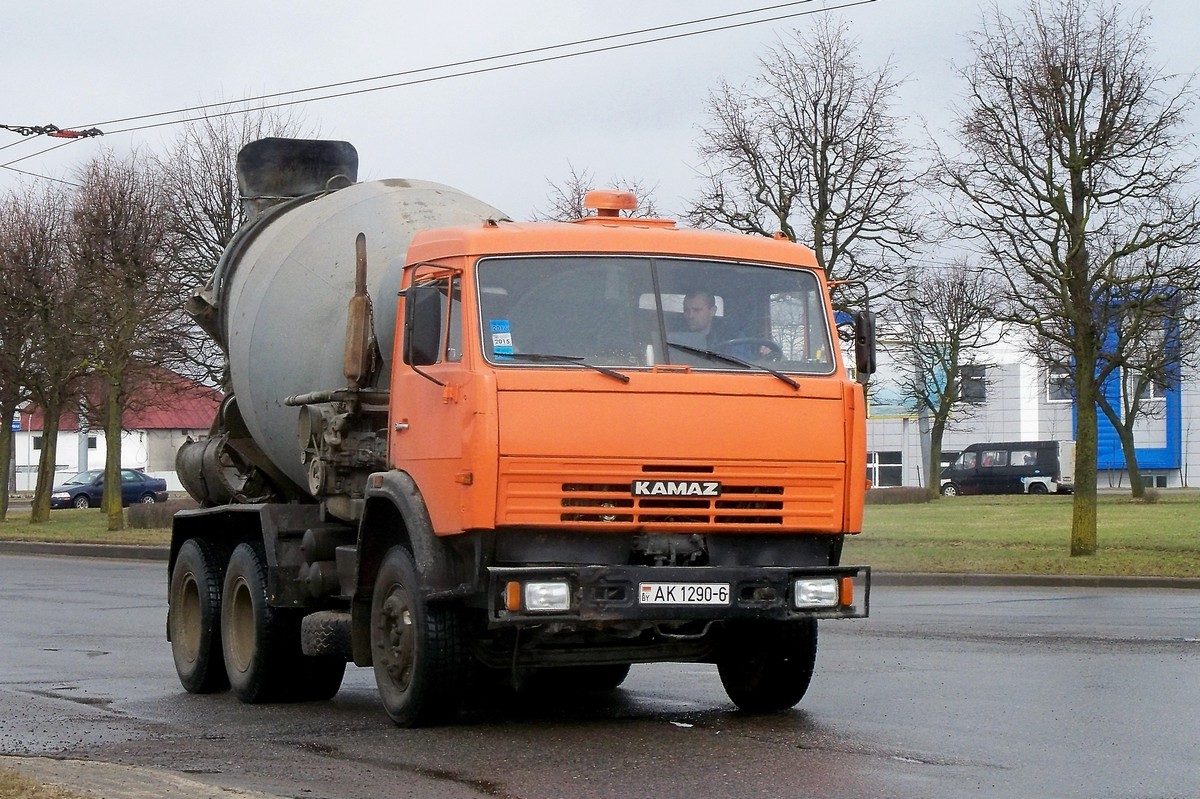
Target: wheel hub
396	637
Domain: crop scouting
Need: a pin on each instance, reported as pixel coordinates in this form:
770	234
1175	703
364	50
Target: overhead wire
246	106
485	59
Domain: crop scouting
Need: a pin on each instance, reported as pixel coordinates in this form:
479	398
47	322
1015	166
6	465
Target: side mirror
422	324
864	345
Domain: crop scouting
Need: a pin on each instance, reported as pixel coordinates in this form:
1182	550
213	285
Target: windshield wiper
720	356
543	357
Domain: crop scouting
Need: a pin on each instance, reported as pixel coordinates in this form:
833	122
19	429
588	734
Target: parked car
86	489
1012	467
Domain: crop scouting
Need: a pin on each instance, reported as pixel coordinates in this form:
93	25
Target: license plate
683	594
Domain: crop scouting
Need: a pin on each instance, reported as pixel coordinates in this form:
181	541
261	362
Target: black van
1012	467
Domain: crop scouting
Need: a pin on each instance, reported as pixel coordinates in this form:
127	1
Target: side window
1059	386
454	327
127	476
991	458
973	380
1023	457
968	460
885	468
450	337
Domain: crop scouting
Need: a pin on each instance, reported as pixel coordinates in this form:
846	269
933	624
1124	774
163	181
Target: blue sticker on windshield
501	337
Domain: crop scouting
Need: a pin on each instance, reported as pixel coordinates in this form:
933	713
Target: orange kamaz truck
460	449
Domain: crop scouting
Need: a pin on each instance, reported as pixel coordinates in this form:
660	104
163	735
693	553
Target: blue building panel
1109	454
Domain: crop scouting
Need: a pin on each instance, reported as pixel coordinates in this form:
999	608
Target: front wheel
194	617
950	490
418	649
766	667
82	501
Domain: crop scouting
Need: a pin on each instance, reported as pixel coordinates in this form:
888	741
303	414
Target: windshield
641	311
83	478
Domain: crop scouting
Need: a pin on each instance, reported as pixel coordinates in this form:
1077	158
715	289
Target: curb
115	551
935	579
923	579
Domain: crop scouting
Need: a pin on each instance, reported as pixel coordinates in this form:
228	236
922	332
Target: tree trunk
1129	449
6	449
1124	429
46	462
112	457
933	483
1083	508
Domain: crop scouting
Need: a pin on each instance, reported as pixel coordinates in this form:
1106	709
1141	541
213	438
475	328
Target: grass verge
1031	535
71	526
985	535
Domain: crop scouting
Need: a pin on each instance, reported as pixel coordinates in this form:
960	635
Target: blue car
86	489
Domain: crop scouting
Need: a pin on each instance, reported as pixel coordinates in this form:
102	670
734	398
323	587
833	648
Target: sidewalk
90	778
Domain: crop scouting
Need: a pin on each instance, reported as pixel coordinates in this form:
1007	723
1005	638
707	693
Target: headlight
539	597
821	593
60	495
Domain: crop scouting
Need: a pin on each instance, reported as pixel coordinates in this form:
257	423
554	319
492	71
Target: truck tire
194	617
950	490
261	645
418	649
317	679
321	675
766	667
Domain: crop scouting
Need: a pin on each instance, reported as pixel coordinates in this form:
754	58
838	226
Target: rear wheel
1038	488
418	649
261	644
766	667
147	499
194	617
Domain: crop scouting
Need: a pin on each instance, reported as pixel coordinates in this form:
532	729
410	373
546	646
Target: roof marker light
610	202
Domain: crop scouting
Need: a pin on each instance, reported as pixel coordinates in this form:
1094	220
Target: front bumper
611	593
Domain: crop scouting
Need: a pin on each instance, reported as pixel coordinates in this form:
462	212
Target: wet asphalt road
943	692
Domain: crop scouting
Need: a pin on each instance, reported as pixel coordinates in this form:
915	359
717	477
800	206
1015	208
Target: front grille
758	496
737	505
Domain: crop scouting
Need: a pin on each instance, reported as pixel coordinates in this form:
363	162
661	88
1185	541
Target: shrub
158	515
903	495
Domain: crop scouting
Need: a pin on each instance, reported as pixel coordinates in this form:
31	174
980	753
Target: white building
160	416
1014	399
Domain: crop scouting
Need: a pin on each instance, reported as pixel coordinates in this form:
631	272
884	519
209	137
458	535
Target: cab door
428	412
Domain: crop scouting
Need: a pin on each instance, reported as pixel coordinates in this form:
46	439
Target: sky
503	135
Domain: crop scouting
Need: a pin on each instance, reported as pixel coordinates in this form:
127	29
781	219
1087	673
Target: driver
699	314
699	308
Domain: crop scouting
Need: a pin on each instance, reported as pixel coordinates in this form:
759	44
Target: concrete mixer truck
466	451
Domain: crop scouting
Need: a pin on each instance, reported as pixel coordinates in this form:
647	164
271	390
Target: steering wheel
755	349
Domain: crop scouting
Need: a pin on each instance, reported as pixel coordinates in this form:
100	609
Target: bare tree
945	321
200	172
1071	180
19	248
566	198
118	235
812	149
42	323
